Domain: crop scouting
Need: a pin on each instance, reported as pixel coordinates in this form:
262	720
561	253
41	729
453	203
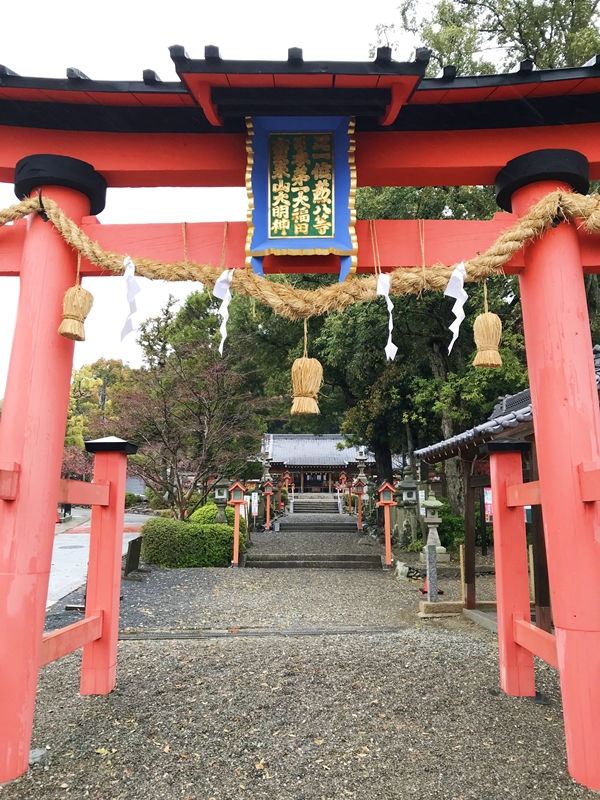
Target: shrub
207	514
131	499
155	501
173	543
452	529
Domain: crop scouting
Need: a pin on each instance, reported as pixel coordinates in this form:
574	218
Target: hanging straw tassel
487	331
77	304
307	378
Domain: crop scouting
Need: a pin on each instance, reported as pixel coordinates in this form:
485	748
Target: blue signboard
301	183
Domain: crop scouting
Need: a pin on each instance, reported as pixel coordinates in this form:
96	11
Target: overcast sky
117	41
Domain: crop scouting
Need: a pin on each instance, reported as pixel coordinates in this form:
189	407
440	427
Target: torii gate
409	131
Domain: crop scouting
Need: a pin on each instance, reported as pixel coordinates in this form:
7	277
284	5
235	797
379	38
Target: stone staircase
308	541
315	504
315	561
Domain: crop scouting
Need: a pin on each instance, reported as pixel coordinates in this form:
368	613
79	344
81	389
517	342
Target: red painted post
268	510
388	536
99	664
512	584
31	436
236	535
566	418
360	512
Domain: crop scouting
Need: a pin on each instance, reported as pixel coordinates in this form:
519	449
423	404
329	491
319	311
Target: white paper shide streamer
222	290
456	289
383	288
133	288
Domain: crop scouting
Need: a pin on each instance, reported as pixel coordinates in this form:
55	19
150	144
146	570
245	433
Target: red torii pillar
566	418
31	442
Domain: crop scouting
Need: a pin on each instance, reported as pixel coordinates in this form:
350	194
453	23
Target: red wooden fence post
510	557
99	664
31	442
566	419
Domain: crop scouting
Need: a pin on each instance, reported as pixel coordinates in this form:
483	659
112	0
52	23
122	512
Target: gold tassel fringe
487	331
77	304
307	379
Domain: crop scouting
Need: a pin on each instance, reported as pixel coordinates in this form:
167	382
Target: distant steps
309	506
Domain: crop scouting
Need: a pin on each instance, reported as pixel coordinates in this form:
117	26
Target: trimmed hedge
206	515
131	499
173	543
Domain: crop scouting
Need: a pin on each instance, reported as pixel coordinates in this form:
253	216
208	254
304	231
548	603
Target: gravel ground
310	542
485	588
412	714
397	709
258	598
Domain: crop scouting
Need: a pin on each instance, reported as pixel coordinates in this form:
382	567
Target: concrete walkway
71	550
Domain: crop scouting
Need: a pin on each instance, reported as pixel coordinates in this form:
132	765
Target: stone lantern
266	476
221	497
433	521
361	460
408	488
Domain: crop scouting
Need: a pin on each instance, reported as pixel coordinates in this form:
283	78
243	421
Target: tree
186	408
485	36
89	408
445	391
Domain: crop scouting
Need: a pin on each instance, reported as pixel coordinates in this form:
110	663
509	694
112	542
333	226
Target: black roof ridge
89	85
295	64
515	78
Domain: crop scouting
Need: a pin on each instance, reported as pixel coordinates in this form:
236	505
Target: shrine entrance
301	137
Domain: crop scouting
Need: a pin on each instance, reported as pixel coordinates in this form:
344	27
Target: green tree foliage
482	37
189	410
433	393
89	410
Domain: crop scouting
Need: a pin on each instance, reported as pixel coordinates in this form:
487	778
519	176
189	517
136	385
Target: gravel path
400	708
415	714
258	598
310	541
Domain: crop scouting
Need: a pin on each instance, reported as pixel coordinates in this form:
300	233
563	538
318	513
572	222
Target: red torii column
566	418
31	441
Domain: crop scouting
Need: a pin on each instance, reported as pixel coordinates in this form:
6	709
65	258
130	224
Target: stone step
321	561
314	557
314	510
320	527
308	504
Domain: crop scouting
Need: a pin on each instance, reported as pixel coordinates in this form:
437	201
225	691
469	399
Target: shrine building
314	463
